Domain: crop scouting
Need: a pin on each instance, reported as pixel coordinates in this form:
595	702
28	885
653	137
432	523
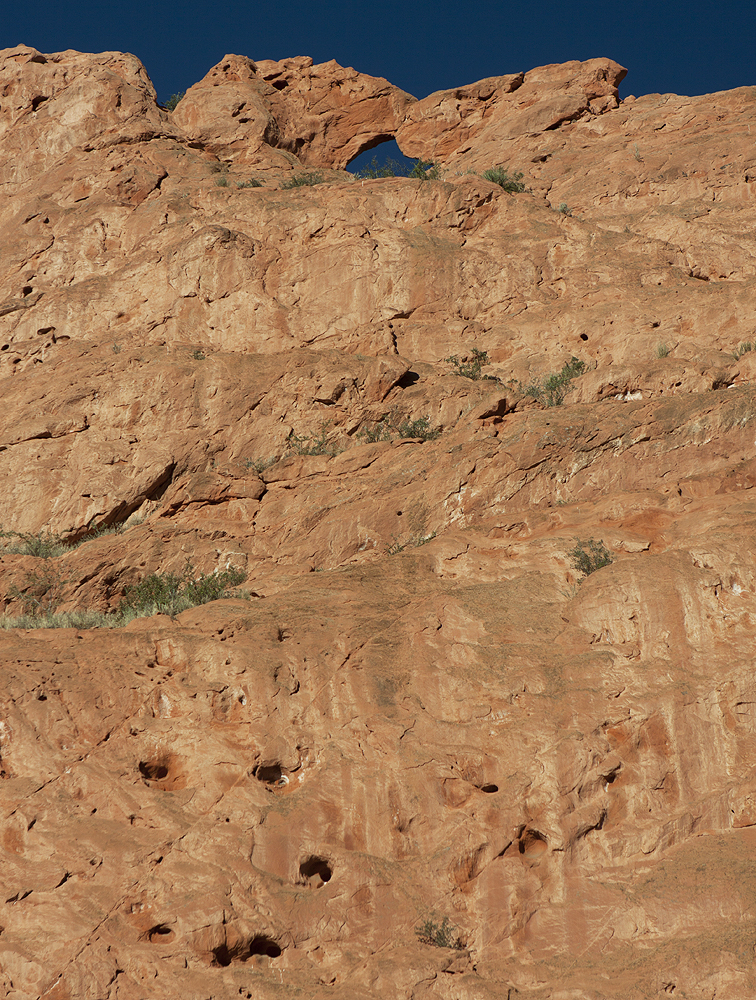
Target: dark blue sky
689	47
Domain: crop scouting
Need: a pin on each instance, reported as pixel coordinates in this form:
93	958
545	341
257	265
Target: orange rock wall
419	713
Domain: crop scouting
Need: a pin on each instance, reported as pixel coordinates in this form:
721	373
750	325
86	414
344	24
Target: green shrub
46	545
443	935
589	556
158	593
251	183
170	594
564	208
379	432
42	590
67	619
198	355
42	545
419	428
500	176
662	351
258	465
311	444
552	390
302	180
469	369
174	100
97	531
391	168
222	181
386	428
425	170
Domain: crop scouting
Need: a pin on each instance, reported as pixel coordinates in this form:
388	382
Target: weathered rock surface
419	712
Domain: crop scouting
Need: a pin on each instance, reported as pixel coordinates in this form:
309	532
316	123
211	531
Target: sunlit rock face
480	723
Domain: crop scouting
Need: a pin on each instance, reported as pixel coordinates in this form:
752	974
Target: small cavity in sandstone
532	844
263	945
241	951
159	934
315	871
271	775
153	770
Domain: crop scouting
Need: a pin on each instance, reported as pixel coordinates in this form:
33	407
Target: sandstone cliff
424	756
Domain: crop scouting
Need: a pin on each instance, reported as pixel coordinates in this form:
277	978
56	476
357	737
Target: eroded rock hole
271	775
223	955
153	770
263	945
489	789
583	336
159	934
36	101
316	871
241	951
408	379
389	155
280	84
532	844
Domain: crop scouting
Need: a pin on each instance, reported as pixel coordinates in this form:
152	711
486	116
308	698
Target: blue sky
689	47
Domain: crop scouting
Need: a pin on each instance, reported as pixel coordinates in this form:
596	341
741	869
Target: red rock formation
420	727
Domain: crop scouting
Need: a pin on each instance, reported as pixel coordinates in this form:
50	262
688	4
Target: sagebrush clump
552	389
589	556
172	593
443	935
43	545
312	444
423	170
302	180
385	430
174	100
471	368
511	183
374	170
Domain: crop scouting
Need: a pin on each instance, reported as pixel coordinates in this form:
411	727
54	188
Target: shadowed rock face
422	758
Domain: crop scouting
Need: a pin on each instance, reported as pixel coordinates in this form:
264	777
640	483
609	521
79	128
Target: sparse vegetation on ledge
742	349
589	556
158	593
469	369
424	170
174	100
311	444
385	430
552	389
302	180
512	183
443	935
